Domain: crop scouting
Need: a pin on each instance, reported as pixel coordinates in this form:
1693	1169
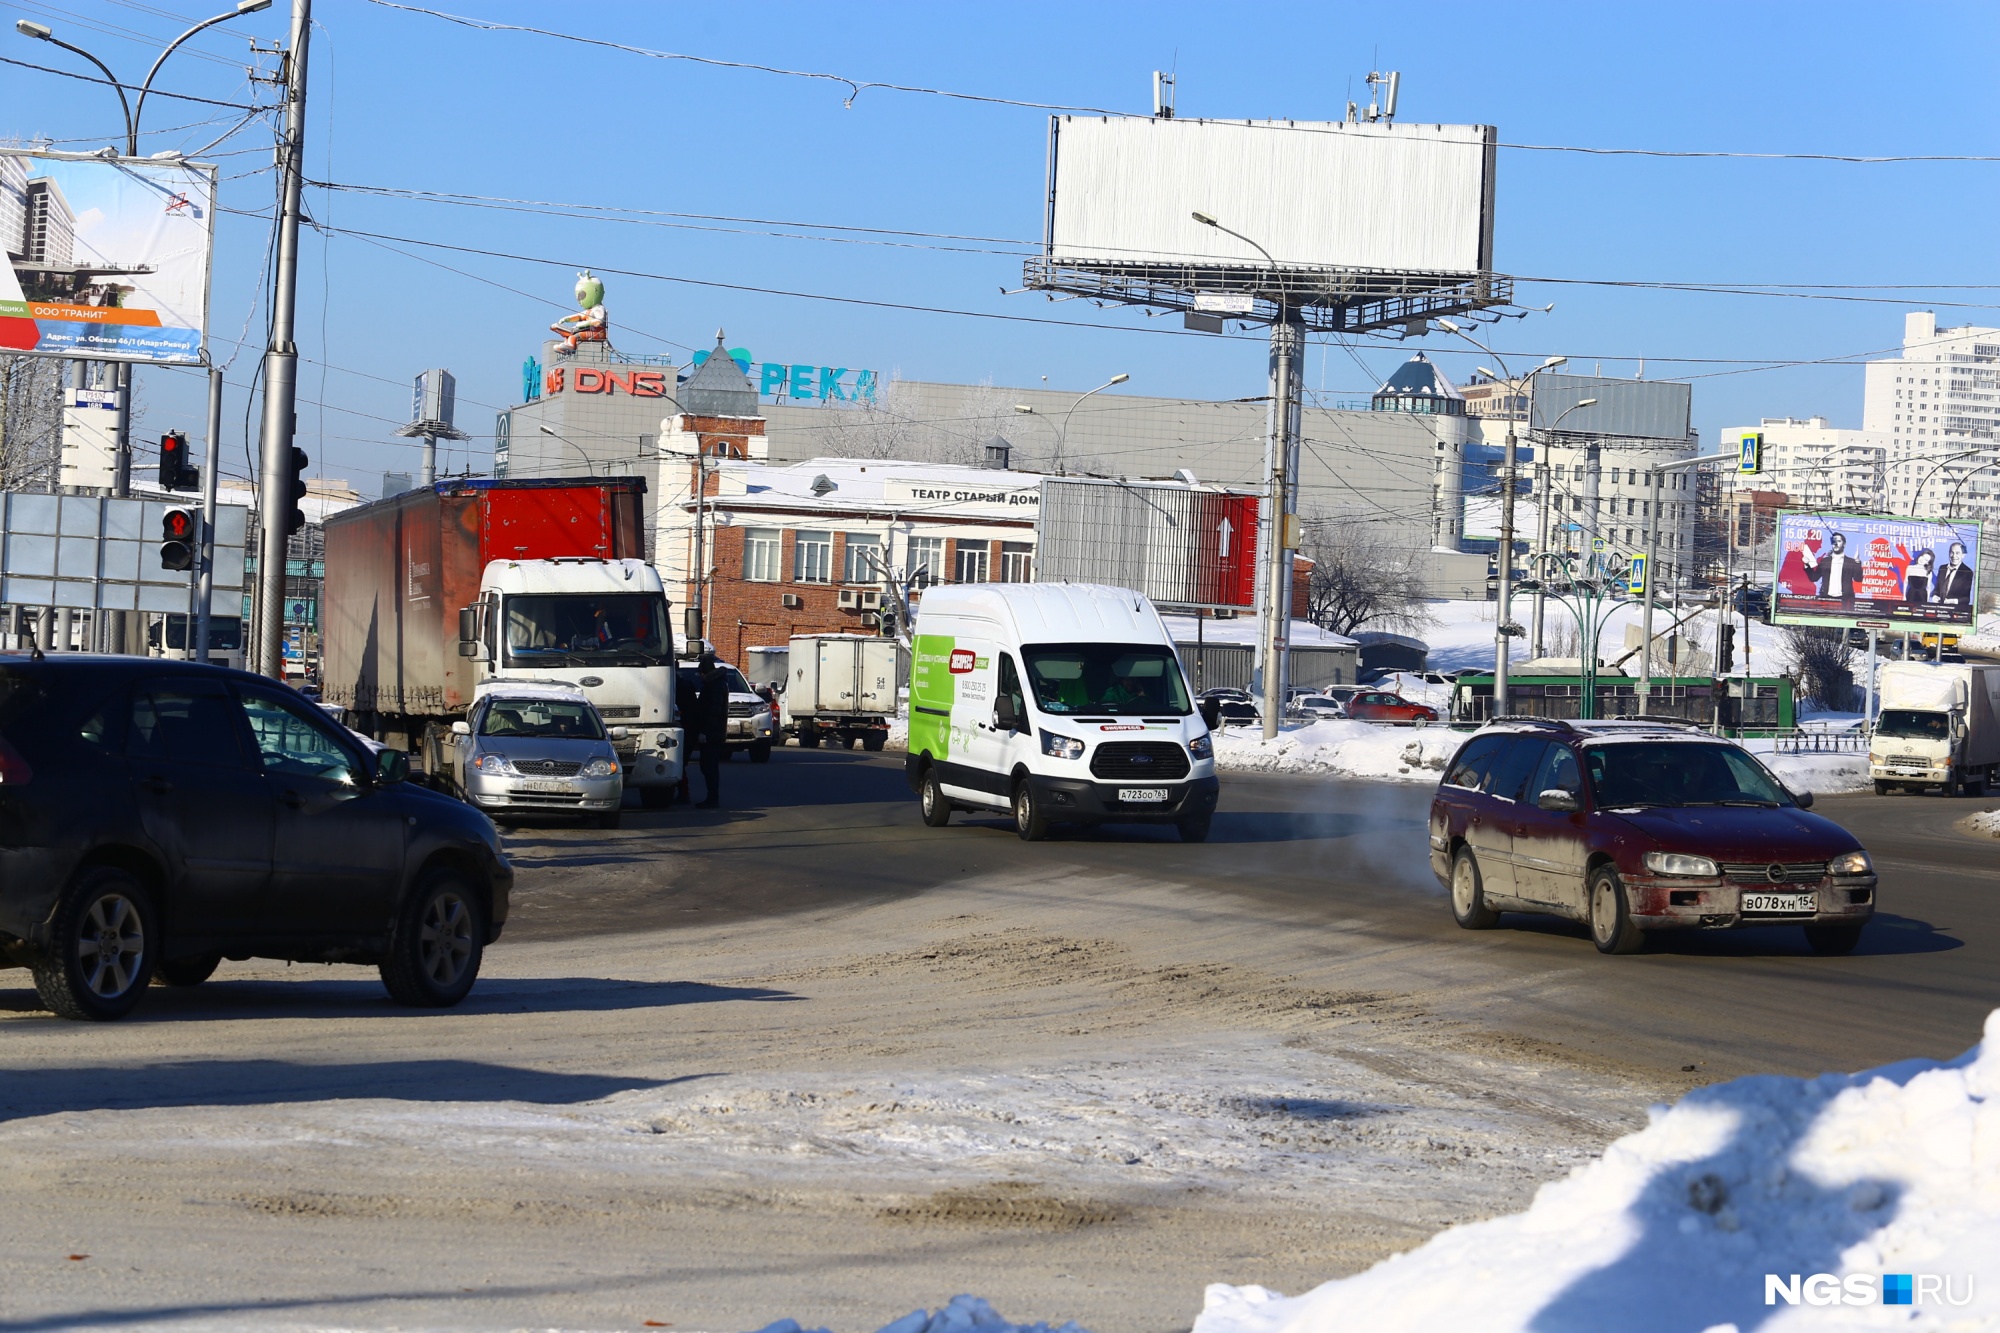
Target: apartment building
1938	405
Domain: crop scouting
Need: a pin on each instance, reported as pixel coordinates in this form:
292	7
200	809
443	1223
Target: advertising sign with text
1841	569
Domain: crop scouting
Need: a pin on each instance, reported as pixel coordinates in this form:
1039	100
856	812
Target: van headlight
1853	863
599	767
1061	747
1201	747
1679	863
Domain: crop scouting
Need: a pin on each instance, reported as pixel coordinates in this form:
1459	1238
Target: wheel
609	819
874	741
1468	894
1977	786
439	939
656	797
1029	821
932	800
1835	937
847	740
760	753
187	971
1952	788
1611	926
1881	787
808	738
100	947
1194	828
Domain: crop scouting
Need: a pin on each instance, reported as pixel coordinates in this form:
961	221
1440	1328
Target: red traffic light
179	529
177	525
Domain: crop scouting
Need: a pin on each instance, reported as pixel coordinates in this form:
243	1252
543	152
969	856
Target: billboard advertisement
1307	194
107	257
1177	545
1844	569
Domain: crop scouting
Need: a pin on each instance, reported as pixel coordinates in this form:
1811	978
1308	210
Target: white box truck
1938	726
1057	703
840	689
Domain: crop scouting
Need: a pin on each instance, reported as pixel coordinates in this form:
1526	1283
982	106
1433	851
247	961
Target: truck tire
932	801
1881	787
1611	926
101	947
808	738
760	753
436	946
874	741
847	740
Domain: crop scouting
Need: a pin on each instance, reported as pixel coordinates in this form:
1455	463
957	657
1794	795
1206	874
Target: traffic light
176	473
1725	651
295	492
180	534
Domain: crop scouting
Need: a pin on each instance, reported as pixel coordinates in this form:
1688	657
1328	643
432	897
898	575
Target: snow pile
965	1314
1986	822
1350	749
1823	774
1675	1227
1985	637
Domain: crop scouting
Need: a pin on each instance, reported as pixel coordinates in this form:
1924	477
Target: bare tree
30	422
1360	580
893	426
1825	664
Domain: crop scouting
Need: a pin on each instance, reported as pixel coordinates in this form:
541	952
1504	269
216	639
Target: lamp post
588	466
1542	496
1062	431
1503	629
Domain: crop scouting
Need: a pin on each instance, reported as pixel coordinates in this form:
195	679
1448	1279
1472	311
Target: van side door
977	770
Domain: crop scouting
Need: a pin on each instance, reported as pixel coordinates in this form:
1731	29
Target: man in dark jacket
711	724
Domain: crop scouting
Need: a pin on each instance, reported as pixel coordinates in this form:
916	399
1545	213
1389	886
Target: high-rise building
51	226
13	207
1938	405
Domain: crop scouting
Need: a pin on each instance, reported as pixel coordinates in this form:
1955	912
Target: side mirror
461	728
1555	798
392	766
471	648
1004	714
1211	713
468	622
618	733
1804	798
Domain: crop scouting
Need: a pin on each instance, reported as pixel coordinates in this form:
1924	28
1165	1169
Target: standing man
711	723
1953	583
1837	572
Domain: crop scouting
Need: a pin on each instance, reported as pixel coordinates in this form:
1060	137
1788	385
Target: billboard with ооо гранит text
1846	569
107	257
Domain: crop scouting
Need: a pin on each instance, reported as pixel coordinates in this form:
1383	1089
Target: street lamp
1207	221
1503	629
1062	431
588	466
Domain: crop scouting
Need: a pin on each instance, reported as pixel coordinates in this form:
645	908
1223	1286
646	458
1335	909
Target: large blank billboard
1314	194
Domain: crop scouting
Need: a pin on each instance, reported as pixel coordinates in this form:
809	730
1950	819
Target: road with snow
805	1056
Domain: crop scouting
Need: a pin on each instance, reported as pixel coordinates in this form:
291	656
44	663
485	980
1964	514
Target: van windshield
1118	679
1912	724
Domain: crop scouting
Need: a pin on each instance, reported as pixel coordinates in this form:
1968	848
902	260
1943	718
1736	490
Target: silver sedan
538	755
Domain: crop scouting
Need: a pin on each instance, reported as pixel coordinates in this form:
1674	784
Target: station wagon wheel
439	940
1612	929
1468	896
101	947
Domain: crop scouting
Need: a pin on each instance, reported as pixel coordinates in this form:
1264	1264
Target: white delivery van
1056	702
1938	726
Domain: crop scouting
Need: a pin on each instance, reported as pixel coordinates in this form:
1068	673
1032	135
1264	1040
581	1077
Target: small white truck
841	688
1938	726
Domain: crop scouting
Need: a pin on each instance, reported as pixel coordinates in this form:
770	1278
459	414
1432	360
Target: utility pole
1653	570
1542	501
281	364
1503	628
1287	384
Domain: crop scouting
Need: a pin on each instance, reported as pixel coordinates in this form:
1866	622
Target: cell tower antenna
1163	94
1381	106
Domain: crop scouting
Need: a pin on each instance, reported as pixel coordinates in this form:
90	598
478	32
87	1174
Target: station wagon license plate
1785	904
1130	794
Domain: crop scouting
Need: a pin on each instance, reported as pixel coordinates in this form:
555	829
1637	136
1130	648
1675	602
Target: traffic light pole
204	595
281	366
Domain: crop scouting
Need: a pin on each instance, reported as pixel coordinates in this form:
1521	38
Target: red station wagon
1637	826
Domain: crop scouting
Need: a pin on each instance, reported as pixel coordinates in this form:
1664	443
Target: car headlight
494	763
1061	747
1853	863
1679	863
1201	747
600	767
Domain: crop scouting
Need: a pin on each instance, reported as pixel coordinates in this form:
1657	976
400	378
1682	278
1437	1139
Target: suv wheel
1612	929
1835	937
760	753
1029	821
187	971
1468	895
435	950
101	947
932	800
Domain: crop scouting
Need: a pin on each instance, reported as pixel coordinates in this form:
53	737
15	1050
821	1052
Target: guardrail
1852	740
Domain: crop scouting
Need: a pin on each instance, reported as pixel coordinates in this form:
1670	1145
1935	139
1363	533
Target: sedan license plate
1142	794
544	786
1786	904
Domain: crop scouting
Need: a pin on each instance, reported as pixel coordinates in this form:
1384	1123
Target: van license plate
1791	904
1142	794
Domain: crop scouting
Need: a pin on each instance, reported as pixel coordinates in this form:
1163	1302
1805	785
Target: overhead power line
133	87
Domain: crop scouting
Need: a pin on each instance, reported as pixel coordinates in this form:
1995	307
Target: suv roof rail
1557	723
1659	720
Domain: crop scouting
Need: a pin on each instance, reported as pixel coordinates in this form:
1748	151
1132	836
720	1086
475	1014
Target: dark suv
1635	826
157	817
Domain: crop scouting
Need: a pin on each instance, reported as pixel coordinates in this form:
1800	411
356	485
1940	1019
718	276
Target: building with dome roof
1420	389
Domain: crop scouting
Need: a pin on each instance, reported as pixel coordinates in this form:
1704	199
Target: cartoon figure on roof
589	324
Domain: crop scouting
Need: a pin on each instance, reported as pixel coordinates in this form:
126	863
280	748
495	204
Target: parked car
1381	706
1321	706
1228	706
534	748
1638	826
157	817
753	715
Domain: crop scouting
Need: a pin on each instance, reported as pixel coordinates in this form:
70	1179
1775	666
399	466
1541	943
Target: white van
1058	702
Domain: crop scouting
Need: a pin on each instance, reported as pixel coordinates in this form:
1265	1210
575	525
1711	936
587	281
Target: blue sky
408	101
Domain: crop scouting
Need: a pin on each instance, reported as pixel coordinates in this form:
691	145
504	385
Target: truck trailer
1939	726
433	591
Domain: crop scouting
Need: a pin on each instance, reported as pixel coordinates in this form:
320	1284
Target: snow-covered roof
877	486
1243	629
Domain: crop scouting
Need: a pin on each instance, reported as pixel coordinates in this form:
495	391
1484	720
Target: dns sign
590	379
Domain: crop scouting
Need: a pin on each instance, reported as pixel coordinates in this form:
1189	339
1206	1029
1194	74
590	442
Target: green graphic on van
932	691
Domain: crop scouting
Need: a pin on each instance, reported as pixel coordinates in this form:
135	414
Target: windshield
541	719
588	629
1112	678
1908	723
1677	773
691	678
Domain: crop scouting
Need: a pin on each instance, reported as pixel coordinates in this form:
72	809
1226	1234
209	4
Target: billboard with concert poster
1845	569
